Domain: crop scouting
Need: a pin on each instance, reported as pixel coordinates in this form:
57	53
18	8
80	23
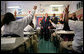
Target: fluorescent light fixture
56	5
13	7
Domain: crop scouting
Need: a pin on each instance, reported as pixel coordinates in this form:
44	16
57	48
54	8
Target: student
54	19
58	26
29	28
77	26
74	17
13	26
61	19
45	26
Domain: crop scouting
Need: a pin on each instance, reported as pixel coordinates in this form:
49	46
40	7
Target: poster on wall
54	8
19	11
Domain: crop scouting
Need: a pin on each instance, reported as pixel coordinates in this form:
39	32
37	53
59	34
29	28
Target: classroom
41	27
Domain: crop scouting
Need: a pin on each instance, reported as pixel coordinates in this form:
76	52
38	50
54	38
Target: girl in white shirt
57	26
12	26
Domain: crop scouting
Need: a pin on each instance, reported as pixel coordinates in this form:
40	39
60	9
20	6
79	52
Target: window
79	5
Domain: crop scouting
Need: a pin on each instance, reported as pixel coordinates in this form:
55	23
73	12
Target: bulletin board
38	19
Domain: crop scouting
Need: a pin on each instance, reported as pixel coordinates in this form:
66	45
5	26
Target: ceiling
41	2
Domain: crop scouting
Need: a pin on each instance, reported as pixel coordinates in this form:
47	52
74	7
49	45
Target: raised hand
67	9
35	7
66	13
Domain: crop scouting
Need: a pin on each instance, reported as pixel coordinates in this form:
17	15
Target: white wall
3	7
24	5
28	5
73	7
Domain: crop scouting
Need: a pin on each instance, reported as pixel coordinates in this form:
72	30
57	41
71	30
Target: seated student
77	26
61	19
74	17
54	19
58	26
45	26
13	26
29	28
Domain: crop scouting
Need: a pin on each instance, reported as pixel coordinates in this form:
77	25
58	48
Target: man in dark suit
54	20
45	26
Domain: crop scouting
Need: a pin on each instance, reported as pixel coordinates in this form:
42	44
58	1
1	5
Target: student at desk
45	26
13	26
58	26
77	26
29	28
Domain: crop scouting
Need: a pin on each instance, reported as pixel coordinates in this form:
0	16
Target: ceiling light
13	7
56	5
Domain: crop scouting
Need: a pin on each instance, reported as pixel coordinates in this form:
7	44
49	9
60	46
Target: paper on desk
62	31
7	40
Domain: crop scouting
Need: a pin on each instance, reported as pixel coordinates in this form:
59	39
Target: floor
46	46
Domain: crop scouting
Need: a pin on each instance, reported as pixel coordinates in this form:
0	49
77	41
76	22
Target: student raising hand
35	7
13	26
66	13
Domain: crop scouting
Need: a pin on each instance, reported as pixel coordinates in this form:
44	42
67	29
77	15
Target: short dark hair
8	17
31	24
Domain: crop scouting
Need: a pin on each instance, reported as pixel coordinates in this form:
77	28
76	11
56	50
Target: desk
11	46
68	34
29	33
64	32
31	36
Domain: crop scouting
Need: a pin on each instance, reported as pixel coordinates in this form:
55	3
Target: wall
28	6
73	9
3	9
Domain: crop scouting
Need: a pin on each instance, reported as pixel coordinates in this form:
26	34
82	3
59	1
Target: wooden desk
11	46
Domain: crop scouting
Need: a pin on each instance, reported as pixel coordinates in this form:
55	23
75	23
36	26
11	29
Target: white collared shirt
28	28
17	27
58	26
77	26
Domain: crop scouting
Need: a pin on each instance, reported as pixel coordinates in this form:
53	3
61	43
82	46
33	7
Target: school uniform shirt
17	27
77	26
55	20
58	26
28	28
